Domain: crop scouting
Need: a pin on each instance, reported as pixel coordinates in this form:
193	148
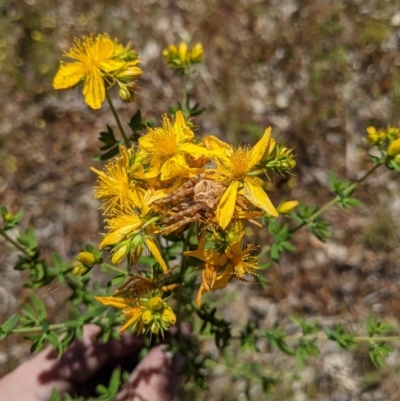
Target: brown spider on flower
196	200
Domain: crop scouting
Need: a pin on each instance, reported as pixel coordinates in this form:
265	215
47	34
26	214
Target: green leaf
277	338
29	315
345	340
10	324
55	396
374	326
53	339
116	280
108	138
113	386
39	306
108	155
305	349
377	352
307	328
38	343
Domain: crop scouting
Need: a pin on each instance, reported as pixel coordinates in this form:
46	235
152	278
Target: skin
153	379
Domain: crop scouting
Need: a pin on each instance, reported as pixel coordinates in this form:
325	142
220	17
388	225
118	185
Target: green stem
335	200
184	94
117	119
328	205
375	339
183	269
115	269
357	339
34	329
18	246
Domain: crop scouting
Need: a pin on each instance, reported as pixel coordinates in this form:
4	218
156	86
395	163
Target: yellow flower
165	149
128	225
115	187
237	169
241	260
145	314
214	275
219	267
96	58
132	310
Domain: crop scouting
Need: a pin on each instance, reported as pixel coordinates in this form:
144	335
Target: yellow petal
112	65
197	151
226	205
182	131
112	239
156	253
113	301
135	315
257	196
223	278
173	167
208	256
213	143
94	91
68	75
258	150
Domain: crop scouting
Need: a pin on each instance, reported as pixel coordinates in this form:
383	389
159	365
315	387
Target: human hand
153	379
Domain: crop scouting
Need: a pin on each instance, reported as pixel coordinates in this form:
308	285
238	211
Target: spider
196	200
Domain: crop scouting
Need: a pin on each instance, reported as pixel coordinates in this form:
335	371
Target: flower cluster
170	185
387	142
100	62
181	57
171	181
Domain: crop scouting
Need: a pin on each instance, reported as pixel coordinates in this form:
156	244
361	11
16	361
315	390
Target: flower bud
124	93
374	136
8	216
196	54
182	52
147	317
155	328
78	269
155	303
392	133
129	73
120	254
394	148
287	207
111	239
168	316
86	258
170	51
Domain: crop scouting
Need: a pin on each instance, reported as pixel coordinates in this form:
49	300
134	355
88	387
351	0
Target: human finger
154	379
35	379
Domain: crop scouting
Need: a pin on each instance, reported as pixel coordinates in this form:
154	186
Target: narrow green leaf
10	324
39	306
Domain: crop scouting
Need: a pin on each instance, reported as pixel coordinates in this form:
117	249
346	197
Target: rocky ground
319	72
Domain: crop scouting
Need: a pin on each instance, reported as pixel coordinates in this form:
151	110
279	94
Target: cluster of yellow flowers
387	140
168	183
